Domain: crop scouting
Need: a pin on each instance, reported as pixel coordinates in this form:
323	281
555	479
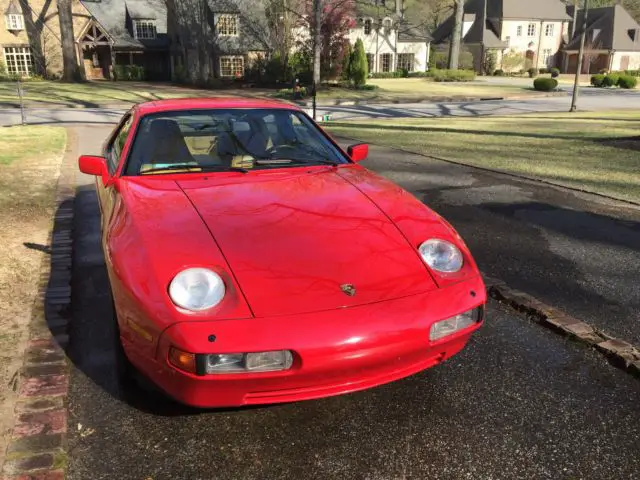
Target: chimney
399	8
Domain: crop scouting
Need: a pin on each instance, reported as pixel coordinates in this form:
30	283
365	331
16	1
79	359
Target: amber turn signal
183	360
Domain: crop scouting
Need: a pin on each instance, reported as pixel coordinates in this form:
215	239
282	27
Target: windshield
228	139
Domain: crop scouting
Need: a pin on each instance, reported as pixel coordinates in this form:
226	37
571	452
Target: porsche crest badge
348	289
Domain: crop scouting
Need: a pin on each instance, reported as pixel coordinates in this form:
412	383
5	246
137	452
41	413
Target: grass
100	93
29	165
589	151
390	89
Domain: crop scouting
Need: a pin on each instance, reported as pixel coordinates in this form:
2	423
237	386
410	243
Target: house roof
13	8
526	9
498	10
609	28
408	32
116	18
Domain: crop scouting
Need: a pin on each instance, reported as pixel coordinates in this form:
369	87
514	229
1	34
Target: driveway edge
619	353
38	448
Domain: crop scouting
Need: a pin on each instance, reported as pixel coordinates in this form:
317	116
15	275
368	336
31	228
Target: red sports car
253	261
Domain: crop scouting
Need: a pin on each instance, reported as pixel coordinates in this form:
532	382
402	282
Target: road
520	402
590	100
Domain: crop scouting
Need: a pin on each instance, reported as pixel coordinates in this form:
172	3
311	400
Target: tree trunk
317	40
456	35
70	72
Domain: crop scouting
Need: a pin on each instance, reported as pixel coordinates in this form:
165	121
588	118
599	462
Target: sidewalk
574	251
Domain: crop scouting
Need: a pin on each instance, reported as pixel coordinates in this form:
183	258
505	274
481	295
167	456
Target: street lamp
583	35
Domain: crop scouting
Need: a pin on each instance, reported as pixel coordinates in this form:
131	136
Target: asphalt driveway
519	402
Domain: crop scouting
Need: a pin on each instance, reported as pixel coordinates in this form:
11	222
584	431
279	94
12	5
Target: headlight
196	289
452	325
441	256
249	362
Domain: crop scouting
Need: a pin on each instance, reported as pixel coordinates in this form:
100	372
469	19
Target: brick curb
619	353
37	449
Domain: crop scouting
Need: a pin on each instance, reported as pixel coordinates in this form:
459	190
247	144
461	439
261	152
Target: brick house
107	33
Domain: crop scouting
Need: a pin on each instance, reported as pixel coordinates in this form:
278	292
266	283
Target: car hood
294	242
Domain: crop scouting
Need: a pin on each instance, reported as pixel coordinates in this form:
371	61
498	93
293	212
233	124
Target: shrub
555	72
439	60
489	63
385	75
512	61
603	71
632	73
290	93
420	74
358	65
545	84
533	72
453	75
610	80
3	69
543	71
597	80
346	62
128	72
499	73
627	82
367	87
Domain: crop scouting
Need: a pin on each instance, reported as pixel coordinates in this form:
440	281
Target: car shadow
92	333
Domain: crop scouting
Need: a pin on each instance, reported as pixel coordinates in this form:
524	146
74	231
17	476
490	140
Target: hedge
454	75
499	73
545	84
555	72
632	73
597	80
129	72
627	81
611	80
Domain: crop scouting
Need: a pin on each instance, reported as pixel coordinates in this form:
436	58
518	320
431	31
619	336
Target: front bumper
335	352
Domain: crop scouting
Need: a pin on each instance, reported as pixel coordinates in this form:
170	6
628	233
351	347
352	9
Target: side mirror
358	152
92	165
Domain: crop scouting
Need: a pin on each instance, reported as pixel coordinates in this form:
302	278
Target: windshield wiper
196	168
297	161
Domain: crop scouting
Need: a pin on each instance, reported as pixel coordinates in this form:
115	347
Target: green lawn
590	151
421	88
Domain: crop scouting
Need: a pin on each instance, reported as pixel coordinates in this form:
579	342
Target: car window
114	150
222	139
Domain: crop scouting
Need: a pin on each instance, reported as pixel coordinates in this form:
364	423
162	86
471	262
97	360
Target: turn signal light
183	360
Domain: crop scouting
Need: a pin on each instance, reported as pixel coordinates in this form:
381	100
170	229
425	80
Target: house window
370	58
367	26
519	31
406	61
19	60
386	60
531	30
144	29
15	21
547	56
231	66
228	25
548	30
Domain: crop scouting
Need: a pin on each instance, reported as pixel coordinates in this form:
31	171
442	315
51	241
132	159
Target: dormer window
367	26
15	21
144	29
227	25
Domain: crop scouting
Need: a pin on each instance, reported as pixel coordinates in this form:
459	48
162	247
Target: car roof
157	106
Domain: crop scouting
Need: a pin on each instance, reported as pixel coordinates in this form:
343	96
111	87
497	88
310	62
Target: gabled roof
116	16
407	32
488	36
609	28
13	8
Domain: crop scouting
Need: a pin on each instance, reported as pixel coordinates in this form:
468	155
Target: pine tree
346	62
